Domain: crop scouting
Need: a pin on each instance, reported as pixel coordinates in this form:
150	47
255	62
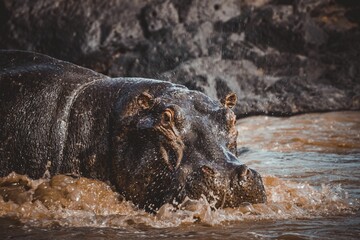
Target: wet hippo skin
154	141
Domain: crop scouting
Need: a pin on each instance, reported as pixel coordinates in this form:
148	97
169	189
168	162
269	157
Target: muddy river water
310	166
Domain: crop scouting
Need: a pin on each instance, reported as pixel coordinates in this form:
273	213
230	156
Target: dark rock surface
280	57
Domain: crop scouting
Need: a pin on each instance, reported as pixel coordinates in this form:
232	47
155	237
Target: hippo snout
230	186
245	186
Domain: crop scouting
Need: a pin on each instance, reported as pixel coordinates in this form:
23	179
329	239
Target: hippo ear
145	100
229	101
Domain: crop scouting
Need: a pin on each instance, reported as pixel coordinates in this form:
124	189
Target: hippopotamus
154	141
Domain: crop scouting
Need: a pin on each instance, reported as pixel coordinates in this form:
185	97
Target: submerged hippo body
156	142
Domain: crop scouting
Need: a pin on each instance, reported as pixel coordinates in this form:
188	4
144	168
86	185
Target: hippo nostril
207	171
243	171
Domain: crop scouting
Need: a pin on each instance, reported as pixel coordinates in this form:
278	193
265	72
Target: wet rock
280	57
159	16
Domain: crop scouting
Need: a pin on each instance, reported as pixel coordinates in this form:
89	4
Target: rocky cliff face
280	57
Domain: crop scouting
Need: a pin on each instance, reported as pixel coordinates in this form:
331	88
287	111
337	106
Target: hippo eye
167	117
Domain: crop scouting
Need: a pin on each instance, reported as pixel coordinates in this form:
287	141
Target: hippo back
36	93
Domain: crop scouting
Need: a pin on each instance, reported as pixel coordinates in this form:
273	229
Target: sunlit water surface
311	170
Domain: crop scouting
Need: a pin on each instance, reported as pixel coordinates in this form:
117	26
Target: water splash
82	202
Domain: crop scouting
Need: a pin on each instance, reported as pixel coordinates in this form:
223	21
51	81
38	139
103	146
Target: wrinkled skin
156	142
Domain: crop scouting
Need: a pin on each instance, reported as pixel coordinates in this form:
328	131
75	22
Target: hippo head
170	142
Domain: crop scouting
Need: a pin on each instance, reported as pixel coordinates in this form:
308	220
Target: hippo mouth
242	185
